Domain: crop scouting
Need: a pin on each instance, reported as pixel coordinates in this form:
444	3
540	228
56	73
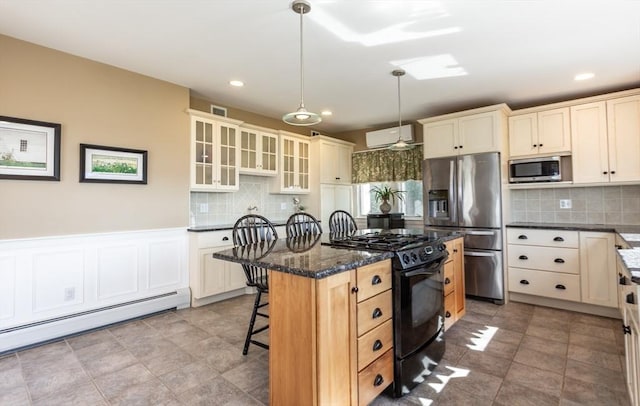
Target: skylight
431	67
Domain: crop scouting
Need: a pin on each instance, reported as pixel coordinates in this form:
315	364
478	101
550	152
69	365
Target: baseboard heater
30	334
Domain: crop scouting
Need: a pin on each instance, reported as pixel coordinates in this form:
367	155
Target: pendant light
400	145
301	116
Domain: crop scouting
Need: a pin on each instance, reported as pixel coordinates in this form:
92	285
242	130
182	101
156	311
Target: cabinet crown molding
502	107
209	116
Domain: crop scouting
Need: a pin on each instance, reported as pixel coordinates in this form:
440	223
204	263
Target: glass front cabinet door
258	151
293	176
215	154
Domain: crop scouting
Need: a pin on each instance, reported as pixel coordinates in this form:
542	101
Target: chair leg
251	331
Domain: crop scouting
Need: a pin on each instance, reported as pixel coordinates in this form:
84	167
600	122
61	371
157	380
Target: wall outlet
204	207
283	206
69	294
565	203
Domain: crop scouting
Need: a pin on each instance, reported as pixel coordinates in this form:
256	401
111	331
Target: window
23	145
411	205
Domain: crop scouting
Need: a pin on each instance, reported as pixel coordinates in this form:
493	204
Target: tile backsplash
209	208
589	205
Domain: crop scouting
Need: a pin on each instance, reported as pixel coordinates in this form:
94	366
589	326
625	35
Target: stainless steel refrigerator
462	194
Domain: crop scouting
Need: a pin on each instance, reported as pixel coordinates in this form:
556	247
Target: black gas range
412	247
418	301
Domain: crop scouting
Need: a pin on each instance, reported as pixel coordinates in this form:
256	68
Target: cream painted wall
96	104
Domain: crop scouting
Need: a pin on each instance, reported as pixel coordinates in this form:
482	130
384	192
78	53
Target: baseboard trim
611	312
34	333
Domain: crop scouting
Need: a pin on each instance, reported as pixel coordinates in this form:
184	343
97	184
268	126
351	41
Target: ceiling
470	53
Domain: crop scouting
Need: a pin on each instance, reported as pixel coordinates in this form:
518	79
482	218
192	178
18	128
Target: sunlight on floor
482	339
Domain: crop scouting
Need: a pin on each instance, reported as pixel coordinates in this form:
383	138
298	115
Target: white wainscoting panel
7	284
117	272
56	279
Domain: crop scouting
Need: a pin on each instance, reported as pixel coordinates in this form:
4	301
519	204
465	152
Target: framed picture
112	165
29	150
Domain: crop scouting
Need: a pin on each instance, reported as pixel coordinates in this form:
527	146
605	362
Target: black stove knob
428	250
414	257
405	258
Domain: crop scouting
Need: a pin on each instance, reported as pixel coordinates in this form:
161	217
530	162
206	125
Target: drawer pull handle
378	381
561	287
559	261
354	289
523	257
524	282
559	239
225	238
631	299
447	281
522	237
376	313
626	329
447	314
377	345
376	280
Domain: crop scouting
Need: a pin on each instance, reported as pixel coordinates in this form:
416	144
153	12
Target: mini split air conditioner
388	136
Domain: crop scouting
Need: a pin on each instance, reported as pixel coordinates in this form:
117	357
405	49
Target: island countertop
304	256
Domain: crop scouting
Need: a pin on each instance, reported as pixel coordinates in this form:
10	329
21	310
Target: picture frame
29	149
103	164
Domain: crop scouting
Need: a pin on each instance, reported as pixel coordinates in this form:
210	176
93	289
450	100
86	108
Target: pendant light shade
301	116
400	145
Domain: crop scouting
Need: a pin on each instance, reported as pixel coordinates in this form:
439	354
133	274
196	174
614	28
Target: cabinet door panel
523	134
598	269
623	124
212	275
590	155
440	138
554	132
478	133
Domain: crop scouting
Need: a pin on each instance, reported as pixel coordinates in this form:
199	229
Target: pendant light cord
399	112
301	10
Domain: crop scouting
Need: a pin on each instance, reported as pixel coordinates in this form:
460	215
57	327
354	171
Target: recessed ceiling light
326	113
584	76
236	83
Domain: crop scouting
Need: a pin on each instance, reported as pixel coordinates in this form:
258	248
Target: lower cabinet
629	294
454	292
331	339
566	265
213	279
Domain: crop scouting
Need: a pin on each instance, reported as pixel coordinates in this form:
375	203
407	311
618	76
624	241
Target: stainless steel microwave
540	169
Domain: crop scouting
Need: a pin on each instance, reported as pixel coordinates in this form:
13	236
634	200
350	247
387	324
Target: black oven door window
421	307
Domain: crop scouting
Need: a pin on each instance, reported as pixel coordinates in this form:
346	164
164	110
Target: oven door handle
433	268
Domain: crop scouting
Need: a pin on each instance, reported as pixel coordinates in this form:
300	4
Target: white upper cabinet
215	153
335	161
605	139
293	176
470	132
540	133
258	151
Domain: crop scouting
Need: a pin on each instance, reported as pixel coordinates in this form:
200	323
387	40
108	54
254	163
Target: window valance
383	165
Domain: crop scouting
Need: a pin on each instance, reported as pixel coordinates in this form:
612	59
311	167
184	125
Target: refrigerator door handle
477	232
479	254
453	192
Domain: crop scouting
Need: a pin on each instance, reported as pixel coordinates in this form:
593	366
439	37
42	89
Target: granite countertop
310	256
304	256
630	234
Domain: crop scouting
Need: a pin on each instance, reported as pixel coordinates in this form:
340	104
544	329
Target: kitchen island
316	292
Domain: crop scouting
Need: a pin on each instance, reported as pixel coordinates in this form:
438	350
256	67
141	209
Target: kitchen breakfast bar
314	294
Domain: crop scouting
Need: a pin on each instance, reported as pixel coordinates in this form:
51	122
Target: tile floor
514	354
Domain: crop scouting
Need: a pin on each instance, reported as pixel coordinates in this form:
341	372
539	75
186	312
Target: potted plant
384	194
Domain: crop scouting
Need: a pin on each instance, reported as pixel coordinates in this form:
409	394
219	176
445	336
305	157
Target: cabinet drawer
374	343
552	259
448	278
374	311
373	279
549	238
449	310
375	378
547	284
